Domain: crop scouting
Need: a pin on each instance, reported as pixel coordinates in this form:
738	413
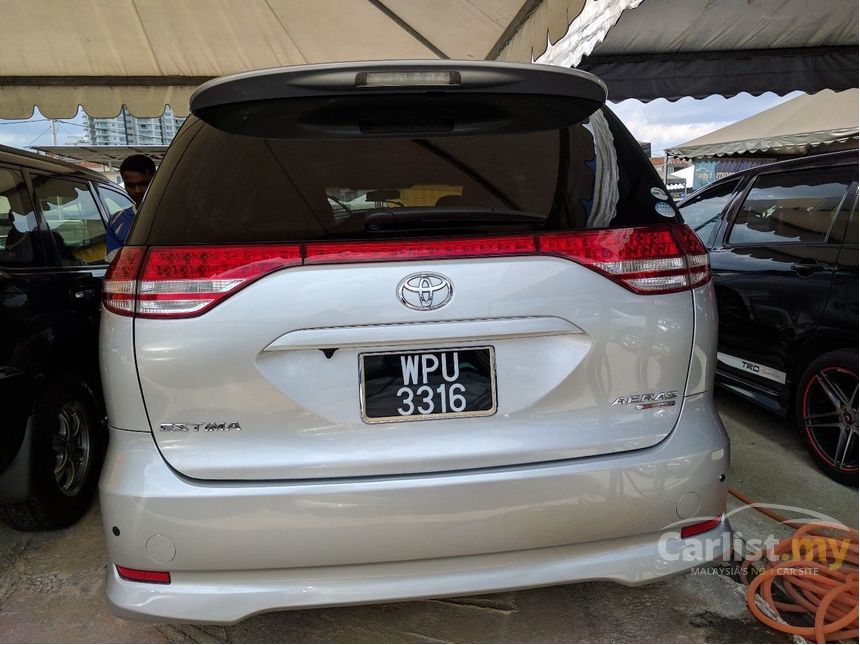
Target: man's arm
117	230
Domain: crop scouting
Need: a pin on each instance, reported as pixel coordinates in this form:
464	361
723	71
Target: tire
68	449
826	414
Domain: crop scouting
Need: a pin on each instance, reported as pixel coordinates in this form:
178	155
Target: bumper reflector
139	575
701	527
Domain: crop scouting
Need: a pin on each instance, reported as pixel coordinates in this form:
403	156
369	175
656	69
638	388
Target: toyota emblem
425	291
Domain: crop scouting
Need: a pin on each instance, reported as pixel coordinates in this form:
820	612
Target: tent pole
666	168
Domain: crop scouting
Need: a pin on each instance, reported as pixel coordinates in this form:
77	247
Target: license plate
428	384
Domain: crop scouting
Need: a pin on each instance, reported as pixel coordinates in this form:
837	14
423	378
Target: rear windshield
370	168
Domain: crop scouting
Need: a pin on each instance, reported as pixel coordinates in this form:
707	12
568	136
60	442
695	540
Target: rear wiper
422	216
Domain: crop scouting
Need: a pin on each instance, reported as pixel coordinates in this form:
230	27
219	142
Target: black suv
783	246
52	261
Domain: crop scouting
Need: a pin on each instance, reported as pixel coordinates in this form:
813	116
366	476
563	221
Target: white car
369	341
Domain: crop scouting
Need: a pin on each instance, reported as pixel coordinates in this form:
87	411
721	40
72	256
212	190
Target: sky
36	131
660	122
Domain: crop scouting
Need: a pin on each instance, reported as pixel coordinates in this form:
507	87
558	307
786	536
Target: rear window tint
294	171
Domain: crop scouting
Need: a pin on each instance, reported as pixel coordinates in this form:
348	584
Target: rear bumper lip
239	548
218	597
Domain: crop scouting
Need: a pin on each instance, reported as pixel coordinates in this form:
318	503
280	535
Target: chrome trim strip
439	331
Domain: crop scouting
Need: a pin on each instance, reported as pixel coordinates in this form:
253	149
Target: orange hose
823	584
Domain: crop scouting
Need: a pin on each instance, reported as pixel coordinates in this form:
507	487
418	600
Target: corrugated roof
104	155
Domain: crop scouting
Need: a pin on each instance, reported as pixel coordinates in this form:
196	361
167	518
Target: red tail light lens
467	247
185	281
179	282
645	260
120	285
697	255
139	575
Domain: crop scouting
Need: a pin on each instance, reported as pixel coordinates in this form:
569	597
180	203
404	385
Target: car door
26	285
113	200
70	210
704	211
773	270
839	320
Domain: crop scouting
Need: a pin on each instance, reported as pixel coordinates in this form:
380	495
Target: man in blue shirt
136	172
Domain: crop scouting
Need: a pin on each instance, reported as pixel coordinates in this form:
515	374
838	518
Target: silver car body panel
567	343
239	548
118	367
703	359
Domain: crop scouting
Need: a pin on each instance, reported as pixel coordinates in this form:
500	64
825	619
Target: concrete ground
52	584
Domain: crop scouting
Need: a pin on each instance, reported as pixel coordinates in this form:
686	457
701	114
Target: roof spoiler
398	77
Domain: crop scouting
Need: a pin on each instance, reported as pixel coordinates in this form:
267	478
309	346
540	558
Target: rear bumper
236	549
228	597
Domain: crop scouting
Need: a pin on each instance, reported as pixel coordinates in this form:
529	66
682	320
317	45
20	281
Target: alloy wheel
72	448
829	412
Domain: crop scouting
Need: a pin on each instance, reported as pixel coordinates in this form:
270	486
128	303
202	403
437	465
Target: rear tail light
697	255
647	260
181	282
186	281
119	291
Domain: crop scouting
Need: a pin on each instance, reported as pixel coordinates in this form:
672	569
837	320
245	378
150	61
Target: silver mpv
399	330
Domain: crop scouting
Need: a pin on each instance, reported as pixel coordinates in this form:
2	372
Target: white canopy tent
101	54
819	122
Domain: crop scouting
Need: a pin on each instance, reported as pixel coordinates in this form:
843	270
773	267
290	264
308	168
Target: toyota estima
397	330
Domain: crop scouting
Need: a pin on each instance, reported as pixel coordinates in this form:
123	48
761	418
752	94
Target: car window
845	228
20	242
304	169
796	206
851	232
703	212
113	201
70	211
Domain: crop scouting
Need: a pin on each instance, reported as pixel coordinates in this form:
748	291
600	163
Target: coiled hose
825	588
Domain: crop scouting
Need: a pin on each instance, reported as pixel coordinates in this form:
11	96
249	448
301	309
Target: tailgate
268	385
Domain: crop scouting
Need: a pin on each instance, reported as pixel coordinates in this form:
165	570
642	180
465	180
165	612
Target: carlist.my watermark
735	548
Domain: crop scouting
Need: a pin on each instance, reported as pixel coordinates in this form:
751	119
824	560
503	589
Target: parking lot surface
52	584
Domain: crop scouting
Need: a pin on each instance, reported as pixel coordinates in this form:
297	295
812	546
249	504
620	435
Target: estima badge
201	426
425	291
